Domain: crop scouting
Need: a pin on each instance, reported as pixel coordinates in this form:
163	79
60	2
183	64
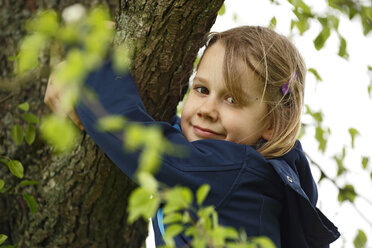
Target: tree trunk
82	196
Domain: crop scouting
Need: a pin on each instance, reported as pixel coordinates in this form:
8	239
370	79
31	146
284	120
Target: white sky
342	96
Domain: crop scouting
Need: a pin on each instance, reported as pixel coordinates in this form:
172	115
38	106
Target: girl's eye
201	90
230	100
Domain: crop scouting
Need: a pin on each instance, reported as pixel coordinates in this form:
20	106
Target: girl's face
210	111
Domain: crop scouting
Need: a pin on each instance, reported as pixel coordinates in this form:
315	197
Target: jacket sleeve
203	160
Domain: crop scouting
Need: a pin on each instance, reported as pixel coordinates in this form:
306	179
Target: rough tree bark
82	196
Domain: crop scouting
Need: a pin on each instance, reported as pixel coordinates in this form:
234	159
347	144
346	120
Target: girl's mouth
204	132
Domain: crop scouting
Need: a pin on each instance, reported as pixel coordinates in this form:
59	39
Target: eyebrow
201	79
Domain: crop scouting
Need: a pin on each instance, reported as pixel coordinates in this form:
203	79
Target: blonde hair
276	62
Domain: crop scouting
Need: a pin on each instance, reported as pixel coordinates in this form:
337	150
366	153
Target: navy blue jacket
271	197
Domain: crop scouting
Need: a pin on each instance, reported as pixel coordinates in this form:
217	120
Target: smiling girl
239	127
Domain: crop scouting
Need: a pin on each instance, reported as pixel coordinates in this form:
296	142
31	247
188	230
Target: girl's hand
52	100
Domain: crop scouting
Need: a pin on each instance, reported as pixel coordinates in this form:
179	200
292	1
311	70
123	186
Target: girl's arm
201	161
52	100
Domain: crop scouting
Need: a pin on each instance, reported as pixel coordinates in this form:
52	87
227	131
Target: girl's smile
206	133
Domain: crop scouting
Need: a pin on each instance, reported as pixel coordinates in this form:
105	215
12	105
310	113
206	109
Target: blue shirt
271	197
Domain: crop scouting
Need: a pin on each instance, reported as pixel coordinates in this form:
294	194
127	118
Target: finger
50	93
52	107
52	97
75	118
51	101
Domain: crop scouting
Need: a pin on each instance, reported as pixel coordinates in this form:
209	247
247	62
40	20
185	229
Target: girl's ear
268	132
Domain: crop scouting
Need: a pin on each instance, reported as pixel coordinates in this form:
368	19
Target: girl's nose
209	109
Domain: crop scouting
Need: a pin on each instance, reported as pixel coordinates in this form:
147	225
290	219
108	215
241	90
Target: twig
339	188
6	98
322	171
11	84
362	215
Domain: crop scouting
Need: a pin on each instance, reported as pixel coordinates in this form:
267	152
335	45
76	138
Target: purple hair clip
286	88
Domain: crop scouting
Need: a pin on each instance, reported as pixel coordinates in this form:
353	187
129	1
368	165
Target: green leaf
100	36
218	236
199	242
27	183
342	48
59	132
222	10
190	231
28	57
172	217
347	193
24	106
366	15
149	160
320	136
360	239
316	74
323	21
302	6
318	116
74	69
31	202
340	162
135	137
235	17
142	203
46	22
207	217
172	231
3	237
202	193
272	23
344	6
154	137
333	21
2	183
16	168
122	59
302	24
365	161
263	242
147	181
186	218
322	38
17	134
111	123
177	198
69	34
353	133
97	16
30	118
186	194
231	233
30	134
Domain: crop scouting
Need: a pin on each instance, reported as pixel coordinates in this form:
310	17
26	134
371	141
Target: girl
239	126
